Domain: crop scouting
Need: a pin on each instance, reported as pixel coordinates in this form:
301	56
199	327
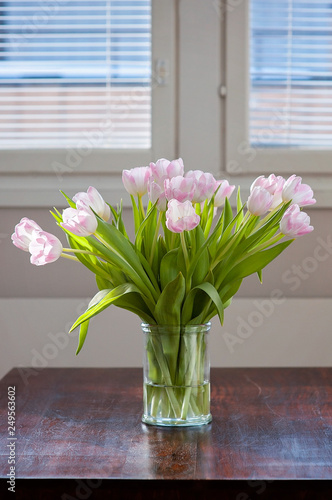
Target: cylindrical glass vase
176	366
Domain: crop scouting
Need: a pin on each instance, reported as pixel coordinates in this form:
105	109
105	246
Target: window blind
290	101
73	70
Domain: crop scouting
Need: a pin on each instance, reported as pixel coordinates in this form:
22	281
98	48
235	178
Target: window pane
74	70
291	73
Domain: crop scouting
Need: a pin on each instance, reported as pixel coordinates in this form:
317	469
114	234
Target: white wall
37	302
273	331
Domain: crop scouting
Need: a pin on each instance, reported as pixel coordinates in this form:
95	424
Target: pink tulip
155	193
300	194
224	191
181	216
25	232
205	185
164	169
295	223
136	180
273	184
93	199
259	201
44	248
179	188
80	221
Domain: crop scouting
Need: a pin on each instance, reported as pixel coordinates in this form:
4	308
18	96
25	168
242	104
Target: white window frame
240	157
28	176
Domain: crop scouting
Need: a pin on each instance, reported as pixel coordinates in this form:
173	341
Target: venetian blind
291	73
75	69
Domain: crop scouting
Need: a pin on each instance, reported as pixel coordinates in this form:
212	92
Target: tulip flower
295	223
259	201
136	180
273	184
93	199
44	248
80	221
300	194
224	191
25	232
164	169
181	216
179	188
155	193
205	185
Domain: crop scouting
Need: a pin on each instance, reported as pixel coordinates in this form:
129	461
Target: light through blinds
291	73
76	69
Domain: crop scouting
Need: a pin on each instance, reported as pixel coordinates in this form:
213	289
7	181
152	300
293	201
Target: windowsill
36	190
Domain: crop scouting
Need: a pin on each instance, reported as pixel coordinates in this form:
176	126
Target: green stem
244	220
185	251
151	293
87	252
140	205
268	216
71	257
266	244
155	238
167	377
186	260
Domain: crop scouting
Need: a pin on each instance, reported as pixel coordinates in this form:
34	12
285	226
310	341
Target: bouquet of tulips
186	262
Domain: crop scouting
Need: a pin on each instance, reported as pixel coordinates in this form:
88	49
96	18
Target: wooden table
79	435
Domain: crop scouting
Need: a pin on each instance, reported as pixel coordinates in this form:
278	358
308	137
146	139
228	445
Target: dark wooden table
79	436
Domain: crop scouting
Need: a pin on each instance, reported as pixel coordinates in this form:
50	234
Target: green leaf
229	290
89	261
69	200
256	262
168	308
202	269
103	284
140	232
137	219
239	208
122	253
103	299
119	221
261	233
136	305
82	336
228	215
209	242
212	293
169	267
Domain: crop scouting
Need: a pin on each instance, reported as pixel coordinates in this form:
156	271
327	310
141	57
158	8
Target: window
279	87
80	75
291	73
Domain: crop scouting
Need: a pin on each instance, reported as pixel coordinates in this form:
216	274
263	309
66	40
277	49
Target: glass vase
176	370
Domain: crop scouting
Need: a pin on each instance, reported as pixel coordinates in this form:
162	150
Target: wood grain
271	427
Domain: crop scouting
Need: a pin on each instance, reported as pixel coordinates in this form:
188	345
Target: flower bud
295	223
164	169
181	216
274	185
157	193
80	221
300	194
136	180
44	248
205	185
259	201
179	188
24	233
224	191
93	199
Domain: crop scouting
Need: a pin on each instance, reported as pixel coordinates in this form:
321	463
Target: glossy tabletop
271	427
